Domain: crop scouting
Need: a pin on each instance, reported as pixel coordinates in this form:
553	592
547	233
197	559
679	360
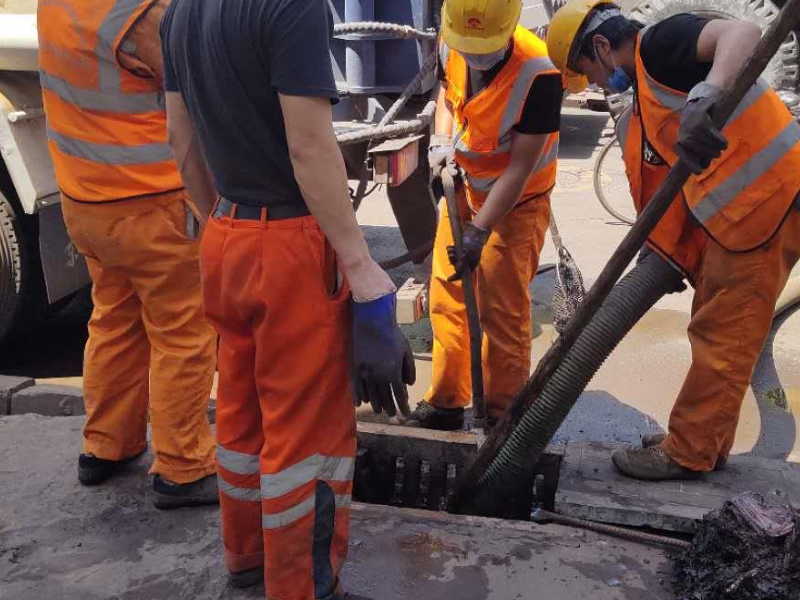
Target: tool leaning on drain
520	437
448	175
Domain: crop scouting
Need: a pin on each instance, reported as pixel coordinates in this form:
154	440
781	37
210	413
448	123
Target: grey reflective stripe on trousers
298	511
317	466
746	175
237	462
238	493
111	154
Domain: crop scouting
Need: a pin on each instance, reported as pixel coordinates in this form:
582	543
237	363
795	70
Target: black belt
275	212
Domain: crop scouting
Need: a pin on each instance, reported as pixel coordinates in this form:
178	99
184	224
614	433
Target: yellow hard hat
479	26
564	28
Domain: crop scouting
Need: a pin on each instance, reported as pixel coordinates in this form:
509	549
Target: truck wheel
20	292
783	71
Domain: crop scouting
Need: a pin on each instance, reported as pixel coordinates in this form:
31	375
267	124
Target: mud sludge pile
747	550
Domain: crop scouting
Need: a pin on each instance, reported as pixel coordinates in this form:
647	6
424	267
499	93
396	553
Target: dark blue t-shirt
229	59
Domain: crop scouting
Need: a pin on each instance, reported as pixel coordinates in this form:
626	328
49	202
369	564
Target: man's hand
189	158
382	360
439	150
473	240
699	140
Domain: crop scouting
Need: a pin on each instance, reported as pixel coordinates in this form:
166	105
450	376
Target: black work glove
382	359
699	140
473	239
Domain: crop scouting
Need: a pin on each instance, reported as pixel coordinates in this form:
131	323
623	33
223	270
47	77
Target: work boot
94	471
650	463
246	579
655	439
168	494
430	417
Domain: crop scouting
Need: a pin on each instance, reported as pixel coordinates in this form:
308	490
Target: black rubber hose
630	299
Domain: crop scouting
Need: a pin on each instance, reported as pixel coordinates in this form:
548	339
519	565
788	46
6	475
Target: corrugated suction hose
630	299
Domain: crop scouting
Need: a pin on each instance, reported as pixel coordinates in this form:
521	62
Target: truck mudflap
64	269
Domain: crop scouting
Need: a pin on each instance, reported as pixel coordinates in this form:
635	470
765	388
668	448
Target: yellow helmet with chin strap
479	26
562	36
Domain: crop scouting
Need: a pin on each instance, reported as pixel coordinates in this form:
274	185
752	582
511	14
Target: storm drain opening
418	468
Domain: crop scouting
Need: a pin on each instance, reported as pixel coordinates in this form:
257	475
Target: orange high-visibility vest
483	124
106	128
676	237
743	198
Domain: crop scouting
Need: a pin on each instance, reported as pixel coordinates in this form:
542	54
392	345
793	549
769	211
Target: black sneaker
246	579
430	417
93	470
176	495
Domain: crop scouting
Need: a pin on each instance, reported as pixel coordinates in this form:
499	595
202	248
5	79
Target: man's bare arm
443	118
728	45
189	155
320	172
525	153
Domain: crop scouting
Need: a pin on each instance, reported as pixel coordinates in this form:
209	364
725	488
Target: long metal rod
473	478
543	516
473	317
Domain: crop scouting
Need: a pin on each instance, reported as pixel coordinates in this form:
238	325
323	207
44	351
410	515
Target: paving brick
9	384
47	399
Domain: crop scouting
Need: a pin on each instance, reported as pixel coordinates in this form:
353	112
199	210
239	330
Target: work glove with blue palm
699	140
382	360
473	239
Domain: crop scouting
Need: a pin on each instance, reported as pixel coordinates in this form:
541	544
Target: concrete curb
49	400
22	395
9	385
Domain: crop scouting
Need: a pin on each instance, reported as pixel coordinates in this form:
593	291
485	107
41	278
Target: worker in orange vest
498	113
301	308
150	352
735	229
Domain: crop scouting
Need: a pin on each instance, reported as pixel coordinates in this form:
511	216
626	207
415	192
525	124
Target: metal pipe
540	515
395	130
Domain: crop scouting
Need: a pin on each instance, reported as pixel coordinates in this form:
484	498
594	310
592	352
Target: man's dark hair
617	30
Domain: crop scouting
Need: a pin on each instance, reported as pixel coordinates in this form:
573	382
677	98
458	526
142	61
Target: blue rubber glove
382	360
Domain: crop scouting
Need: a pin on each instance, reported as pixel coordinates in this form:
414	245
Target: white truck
39	267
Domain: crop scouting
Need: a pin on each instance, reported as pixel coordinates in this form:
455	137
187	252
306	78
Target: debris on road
746	550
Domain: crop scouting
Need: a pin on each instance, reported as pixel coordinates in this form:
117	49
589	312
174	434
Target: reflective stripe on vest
484	122
676	236
106	127
743	197
513	106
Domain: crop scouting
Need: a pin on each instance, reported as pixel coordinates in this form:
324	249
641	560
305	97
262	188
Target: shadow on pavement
580	133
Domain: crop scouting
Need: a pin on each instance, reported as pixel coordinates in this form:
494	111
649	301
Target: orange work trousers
507	267
735	296
286	428
150	349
